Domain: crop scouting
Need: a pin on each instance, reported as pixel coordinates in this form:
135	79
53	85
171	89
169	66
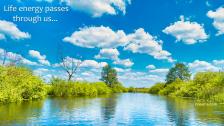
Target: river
131	109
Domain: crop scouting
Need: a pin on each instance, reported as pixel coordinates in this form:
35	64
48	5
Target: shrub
156	88
69	88
206	86
18	83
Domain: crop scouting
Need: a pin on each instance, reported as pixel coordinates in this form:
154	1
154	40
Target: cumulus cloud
104	37
201	66
97	8
161	71
101	37
124	62
139	79
143	42
218	62
41	58
187	32
9	29
121	70
150	66
218	17
93	64
108	54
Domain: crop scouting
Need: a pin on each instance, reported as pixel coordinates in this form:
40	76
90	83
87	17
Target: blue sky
141	39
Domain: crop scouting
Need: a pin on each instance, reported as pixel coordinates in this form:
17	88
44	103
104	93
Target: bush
69	88
118	88
156	88
131	89
18	84
206	86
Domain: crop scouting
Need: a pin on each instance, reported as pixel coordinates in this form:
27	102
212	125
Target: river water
127	109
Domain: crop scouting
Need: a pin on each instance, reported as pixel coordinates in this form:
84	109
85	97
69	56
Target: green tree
109	76
179	71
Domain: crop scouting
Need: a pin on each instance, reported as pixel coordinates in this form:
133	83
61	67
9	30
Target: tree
68	64
109	76
10	59
179	71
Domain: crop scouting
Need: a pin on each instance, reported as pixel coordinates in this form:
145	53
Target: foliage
18	84
109	76
156	88
179	71
69	88
138	90
206	86
118	88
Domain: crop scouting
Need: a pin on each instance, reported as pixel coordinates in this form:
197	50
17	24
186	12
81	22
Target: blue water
126	109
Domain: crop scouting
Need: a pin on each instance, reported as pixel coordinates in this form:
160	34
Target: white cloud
9	29
143	42
218	17
121	70
93	64
201	66
28	62
150	66
104	37
41	58
108	54
187	32
10	57
101	37
124	62
97	8
36	54
139	79
159	71
218	62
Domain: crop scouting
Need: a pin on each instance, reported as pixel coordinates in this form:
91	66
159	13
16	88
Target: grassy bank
205	87
19	84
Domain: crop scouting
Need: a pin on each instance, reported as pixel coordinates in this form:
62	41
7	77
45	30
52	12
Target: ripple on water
122	109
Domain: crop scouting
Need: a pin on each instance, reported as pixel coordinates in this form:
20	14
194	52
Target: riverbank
19	84
205	87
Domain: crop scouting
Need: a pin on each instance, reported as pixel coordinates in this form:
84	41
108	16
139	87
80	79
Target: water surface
121	109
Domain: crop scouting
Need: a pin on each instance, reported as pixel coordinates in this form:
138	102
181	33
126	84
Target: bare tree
69	65
10	59
4	57
14	59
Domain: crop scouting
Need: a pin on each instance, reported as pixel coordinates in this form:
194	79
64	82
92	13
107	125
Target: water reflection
179	111
19	113
108	107
121	109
